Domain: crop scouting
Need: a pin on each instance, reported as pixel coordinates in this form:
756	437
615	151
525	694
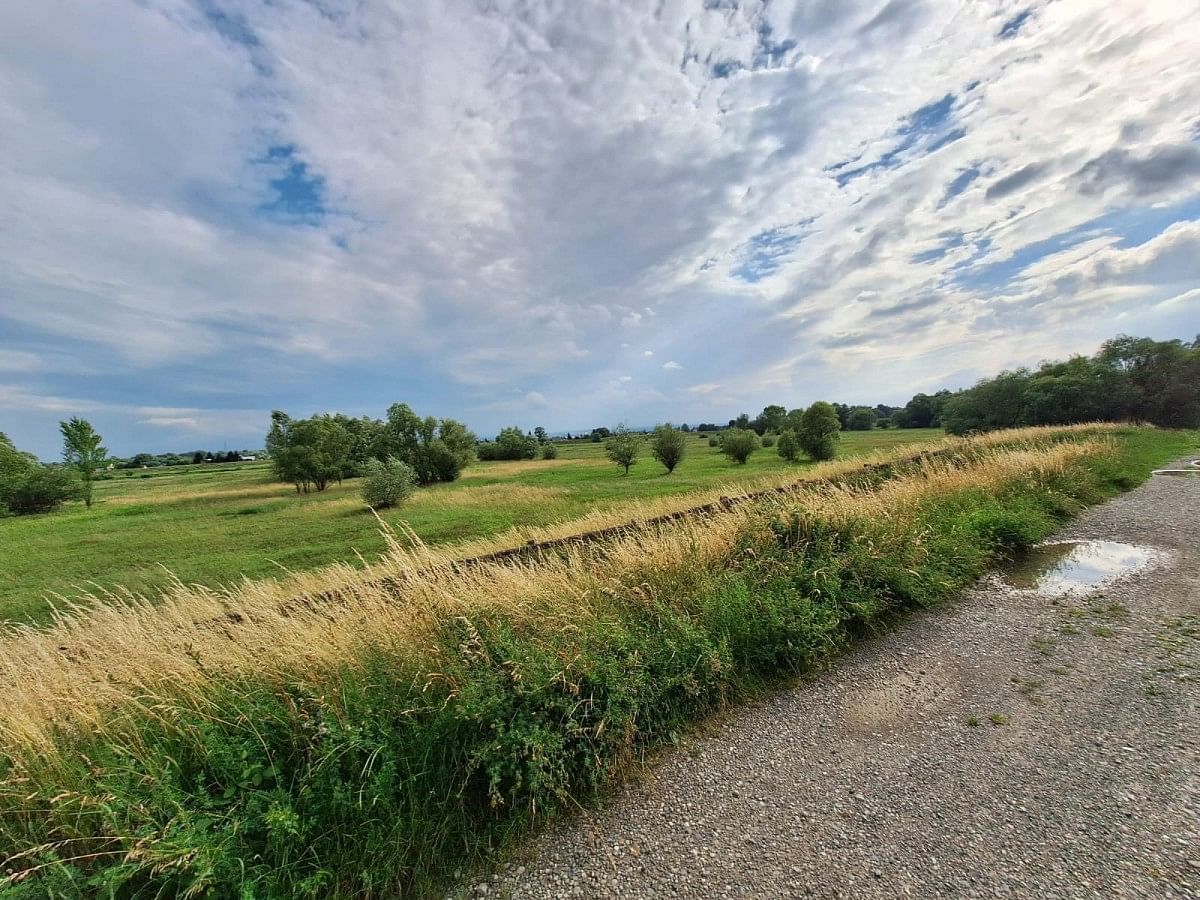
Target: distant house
250	458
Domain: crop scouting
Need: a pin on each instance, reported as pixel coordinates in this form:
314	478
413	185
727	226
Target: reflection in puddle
1192	468
1075	567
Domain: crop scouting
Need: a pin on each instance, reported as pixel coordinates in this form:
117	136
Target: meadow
214	524
339	734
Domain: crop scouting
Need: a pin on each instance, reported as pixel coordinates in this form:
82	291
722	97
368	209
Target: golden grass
127	653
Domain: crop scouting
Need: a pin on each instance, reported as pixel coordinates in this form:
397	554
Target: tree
540	434
788	447
742	422
309	453
198	457
818	434
770	419
668	446
738	444
622	448
860	418
437	449
82	452
387	482
510	443
549	450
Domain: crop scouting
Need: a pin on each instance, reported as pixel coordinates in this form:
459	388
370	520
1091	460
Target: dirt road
1012	745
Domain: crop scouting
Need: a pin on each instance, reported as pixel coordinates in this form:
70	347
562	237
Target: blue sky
574	214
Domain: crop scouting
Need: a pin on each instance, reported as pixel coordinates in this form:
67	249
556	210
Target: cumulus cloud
243	204
672	366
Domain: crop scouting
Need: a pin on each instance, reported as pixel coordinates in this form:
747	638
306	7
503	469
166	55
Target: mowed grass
214	524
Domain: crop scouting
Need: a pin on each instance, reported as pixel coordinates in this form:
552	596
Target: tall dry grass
128	653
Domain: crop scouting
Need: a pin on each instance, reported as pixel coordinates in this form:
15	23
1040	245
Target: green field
211	524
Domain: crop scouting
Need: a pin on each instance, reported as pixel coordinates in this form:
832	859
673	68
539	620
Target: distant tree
437	449
599	434
793	419
387	483
540	434
714	441
843	414
742	422
668	446
788	447
309	453
770	419
511	443
818	432
738	444
198	457
622	447
684	428
860	418
83	452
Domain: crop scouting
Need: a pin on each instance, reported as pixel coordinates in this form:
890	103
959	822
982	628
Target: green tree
772	418
540	434
622	447
27	487
668	446
738	444
510	443
788	447
549	450
818	434
83	452
860	418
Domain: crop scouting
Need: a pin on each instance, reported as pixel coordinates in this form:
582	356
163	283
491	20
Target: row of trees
1128	379
513	443
311	453
813	431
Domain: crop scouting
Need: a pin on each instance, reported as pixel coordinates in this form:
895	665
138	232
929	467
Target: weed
998	719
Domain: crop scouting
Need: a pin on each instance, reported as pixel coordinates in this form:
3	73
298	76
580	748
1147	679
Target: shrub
818	434
39	489
622	447
714	441
789	447
768	440
549	450
668	446
387	483
738	444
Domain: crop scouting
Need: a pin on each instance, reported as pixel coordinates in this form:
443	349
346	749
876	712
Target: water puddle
1190	468
1073	568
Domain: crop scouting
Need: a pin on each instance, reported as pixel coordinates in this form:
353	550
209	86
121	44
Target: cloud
672	366
647	353
179	422
445	202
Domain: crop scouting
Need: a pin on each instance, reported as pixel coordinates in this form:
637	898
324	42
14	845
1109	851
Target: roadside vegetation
362	733
214	523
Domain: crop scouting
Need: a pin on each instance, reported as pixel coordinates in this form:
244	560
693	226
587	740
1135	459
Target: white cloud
647	353
672	366
503	183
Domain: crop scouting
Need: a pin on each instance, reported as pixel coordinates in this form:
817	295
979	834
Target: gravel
1006	746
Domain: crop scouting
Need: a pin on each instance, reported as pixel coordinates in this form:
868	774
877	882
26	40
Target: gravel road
1008	746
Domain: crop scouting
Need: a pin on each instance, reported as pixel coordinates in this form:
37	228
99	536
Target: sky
571	213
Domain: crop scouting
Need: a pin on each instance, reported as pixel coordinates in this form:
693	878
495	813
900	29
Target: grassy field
211	524
246	745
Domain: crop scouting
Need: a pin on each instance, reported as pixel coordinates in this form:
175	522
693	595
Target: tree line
1129	379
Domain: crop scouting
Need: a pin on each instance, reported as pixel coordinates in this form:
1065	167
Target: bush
768	440
714	441
549	450
789	447
39	489
861	418
668	446
387	483
738	444
818	434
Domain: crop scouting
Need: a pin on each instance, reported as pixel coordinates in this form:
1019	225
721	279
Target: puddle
1075	567
1192	468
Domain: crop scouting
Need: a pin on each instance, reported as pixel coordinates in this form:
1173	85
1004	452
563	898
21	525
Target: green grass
407	762
212	524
